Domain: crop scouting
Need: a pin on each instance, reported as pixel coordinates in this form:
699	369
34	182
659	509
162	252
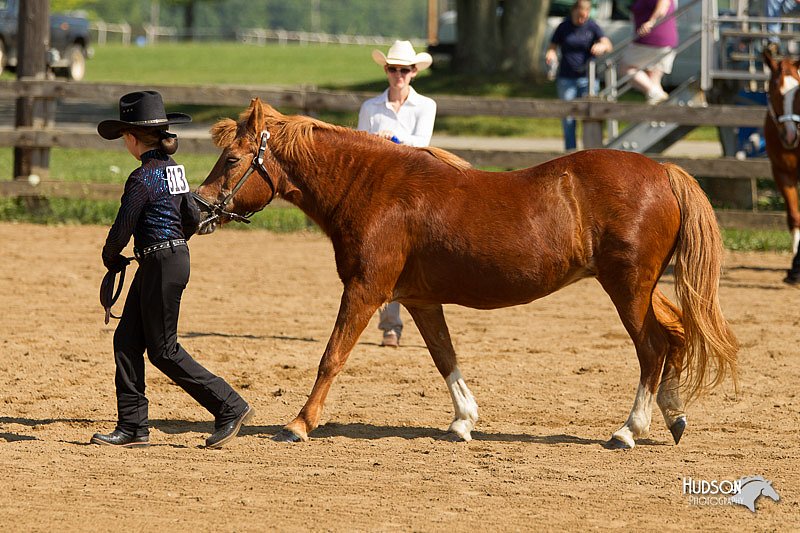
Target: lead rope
109	296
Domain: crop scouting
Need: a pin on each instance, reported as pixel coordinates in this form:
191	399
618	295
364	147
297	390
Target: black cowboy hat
140	109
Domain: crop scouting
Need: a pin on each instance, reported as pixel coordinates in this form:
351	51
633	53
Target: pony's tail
710	350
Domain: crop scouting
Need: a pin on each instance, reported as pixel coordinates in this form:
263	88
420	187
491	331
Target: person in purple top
651	54
579	39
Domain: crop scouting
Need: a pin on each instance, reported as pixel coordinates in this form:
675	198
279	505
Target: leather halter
786	117
218	210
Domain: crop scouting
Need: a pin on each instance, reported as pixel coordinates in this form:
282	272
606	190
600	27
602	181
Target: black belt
147	250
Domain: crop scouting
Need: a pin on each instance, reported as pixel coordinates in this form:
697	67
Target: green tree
62	6
494	39
523	29
400	18
189	8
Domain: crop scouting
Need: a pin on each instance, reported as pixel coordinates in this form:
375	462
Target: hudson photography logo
743	491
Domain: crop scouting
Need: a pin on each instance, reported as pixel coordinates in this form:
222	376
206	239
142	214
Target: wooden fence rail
310	100
199	142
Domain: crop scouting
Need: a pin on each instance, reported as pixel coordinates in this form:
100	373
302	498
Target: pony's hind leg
668	399
634	306
433	328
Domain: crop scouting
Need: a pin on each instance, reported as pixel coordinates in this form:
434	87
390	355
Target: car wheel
76	63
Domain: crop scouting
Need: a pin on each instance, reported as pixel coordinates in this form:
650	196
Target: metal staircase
657	136
730	56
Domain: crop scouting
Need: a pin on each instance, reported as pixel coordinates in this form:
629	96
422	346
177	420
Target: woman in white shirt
402	115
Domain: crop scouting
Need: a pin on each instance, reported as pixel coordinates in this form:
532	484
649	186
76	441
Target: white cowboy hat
402	53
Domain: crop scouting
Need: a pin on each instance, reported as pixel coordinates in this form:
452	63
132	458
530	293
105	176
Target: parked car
69	42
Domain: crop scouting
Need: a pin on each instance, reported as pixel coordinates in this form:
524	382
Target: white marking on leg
638	423
669	399
466	409
795	240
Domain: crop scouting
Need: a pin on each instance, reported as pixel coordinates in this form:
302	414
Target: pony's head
783	99
245	178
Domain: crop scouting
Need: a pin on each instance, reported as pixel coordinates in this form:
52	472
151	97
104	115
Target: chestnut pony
782	136
420	226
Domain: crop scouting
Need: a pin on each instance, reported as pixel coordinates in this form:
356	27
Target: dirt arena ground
553	380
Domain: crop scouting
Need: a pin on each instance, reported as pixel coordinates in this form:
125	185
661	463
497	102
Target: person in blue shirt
158	210
579	39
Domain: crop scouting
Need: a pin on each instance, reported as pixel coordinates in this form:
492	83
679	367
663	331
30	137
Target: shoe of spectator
390	339
656	97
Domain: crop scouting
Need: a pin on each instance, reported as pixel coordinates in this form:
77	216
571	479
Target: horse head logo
751	488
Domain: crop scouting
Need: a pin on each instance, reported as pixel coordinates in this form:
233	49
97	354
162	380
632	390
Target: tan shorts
641	55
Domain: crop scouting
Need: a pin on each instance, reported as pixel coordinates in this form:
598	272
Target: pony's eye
231	161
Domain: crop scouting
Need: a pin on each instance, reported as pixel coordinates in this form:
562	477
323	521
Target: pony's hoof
615	443
453	437
677	429
286	435
462	429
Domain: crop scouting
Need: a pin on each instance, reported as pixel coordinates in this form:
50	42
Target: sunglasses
402	70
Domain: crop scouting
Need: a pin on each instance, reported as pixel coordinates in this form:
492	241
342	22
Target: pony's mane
446	157
293	136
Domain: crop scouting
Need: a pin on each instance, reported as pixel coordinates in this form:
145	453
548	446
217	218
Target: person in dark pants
158	210
580	39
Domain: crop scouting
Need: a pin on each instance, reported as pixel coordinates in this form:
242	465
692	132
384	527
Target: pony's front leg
787	184
433	328
355	311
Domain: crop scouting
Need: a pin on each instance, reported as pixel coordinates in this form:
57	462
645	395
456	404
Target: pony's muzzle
790	138
788	131
208	215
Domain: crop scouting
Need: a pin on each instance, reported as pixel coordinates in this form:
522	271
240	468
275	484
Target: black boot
121	439
226	431
792	278
793	274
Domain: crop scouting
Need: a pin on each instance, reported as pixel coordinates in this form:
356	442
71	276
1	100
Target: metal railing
262	36
717	60
104	28
615	86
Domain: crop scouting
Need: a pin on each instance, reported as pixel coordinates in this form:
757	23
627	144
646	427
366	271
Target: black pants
150	322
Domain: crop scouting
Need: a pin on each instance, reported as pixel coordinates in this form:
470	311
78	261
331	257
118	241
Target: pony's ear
770	61
255	124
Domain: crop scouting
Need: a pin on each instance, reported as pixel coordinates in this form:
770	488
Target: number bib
176	179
